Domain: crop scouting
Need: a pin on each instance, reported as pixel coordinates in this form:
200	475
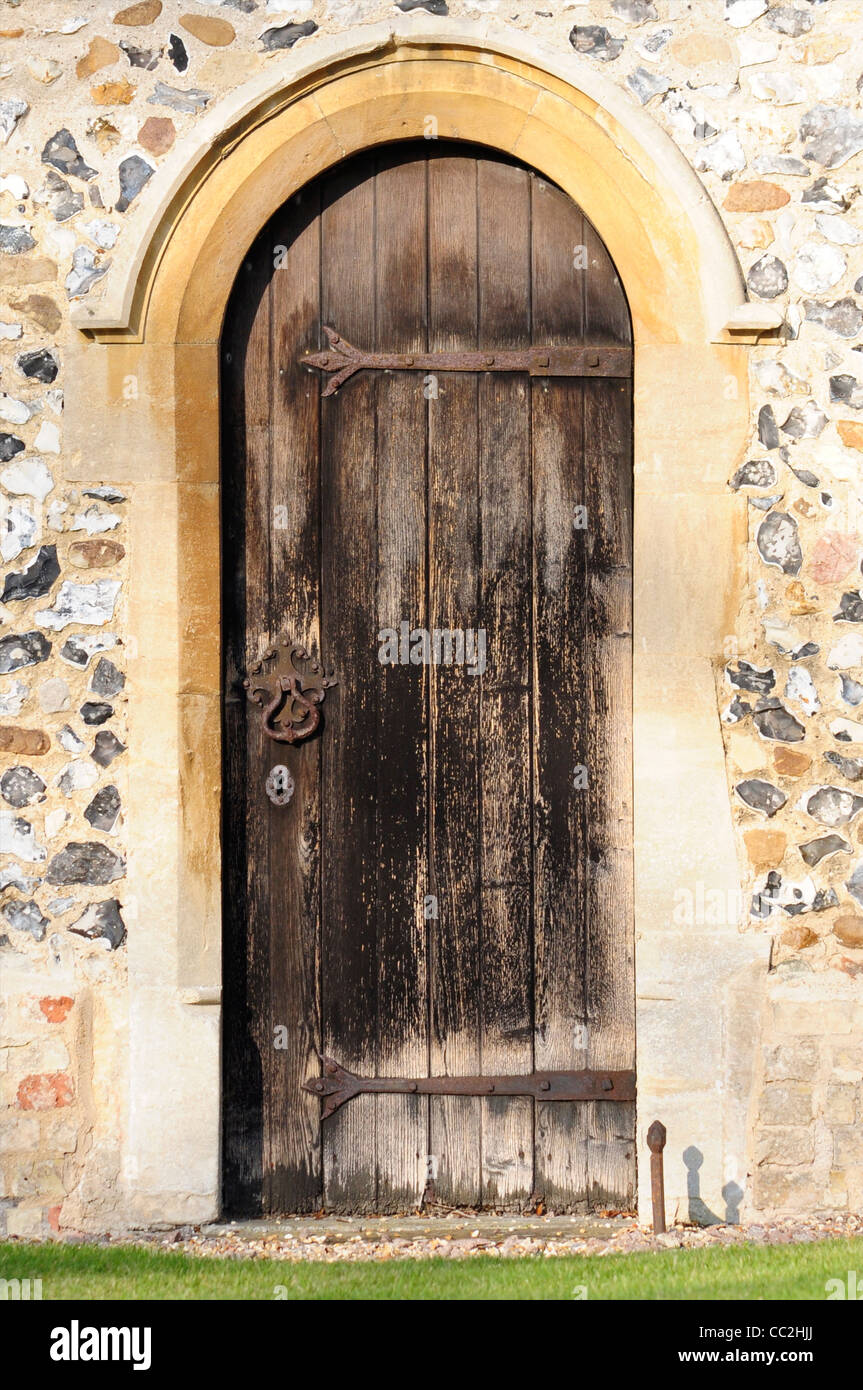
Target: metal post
656	1143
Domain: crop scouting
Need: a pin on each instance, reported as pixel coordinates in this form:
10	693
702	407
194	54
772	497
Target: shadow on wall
699	1211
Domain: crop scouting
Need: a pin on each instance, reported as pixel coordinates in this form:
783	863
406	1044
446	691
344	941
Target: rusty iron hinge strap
337	1085
342	359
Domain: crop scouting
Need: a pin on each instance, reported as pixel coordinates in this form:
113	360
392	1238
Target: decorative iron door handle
290	698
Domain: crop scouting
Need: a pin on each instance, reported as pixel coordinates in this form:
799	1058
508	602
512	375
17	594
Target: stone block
785	1146
786	1103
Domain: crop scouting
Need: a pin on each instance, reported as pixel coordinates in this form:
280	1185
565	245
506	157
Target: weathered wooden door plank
455	1135
349	749
506	1043
295	601
402	810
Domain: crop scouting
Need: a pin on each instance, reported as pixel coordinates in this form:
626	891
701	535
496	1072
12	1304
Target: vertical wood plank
455	1132
349	751
561	714
506	1043
294	830
402	1121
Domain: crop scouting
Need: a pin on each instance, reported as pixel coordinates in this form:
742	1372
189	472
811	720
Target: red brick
45	1091
55	1010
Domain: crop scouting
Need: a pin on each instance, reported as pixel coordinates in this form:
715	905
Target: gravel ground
461	1236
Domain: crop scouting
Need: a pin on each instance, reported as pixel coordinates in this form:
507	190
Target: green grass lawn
132	1272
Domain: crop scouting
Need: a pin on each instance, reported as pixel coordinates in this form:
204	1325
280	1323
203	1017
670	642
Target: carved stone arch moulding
145	411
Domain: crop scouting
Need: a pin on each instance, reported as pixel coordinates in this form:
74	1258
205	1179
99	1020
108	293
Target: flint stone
852	768
188	102
20	786
84	603
777	723
88	862
61	200
761	796
133	174
105	493
15	240
842	317
846	388
851	691
10	445
35	580
815	850
741	13
104	809
778	543
847	652
838	230
62	152
755	473
597	41
86	270
94	521
80	647
787	19
60	905
146	58
106	748
107	680
832	806
68	739
805	421
737	710
855	884
12	877
26	917
722	156
646	84
39	365
22	649
96	712
438	7
850	608
767	277
18	837
635	11
768	430
177	53
818	267
102	920
779	164
286	35
12	699
822	193
21	528
834	134
28	478
801	687
803	475
11	112
748	677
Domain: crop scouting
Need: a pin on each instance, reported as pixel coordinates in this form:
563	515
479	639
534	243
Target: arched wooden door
446	890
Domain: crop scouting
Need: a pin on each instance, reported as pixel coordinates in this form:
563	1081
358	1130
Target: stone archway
145	362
